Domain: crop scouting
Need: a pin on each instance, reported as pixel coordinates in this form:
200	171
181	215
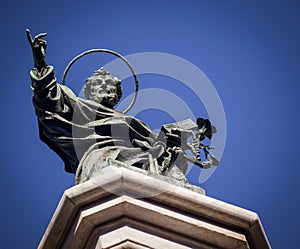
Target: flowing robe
83	132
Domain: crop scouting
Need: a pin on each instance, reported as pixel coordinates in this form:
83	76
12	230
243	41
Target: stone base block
122	208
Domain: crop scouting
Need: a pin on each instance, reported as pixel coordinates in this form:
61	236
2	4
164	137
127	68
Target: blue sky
248	49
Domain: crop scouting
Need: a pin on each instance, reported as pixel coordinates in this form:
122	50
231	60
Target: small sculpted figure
88	134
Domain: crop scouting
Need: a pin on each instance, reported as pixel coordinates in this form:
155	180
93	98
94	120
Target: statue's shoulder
68	91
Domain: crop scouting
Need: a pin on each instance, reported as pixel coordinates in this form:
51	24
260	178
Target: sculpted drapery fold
74	127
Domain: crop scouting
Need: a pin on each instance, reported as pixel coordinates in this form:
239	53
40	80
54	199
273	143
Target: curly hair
101	73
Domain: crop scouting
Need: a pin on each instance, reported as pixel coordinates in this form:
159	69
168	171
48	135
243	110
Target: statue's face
103	90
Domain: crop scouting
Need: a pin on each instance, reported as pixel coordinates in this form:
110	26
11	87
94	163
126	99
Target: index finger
29	37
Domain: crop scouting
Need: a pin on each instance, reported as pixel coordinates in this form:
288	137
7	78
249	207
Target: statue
89	134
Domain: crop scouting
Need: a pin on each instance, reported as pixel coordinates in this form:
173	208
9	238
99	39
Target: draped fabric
76	128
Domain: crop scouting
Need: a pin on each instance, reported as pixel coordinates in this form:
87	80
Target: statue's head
103	88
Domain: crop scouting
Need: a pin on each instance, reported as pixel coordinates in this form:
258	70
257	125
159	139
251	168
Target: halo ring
102	50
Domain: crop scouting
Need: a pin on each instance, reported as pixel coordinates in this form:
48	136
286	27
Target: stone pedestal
125	208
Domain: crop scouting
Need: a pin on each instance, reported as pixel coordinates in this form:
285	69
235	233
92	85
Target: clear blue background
248	49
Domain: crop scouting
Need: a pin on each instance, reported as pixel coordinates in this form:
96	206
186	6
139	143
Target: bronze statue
89	134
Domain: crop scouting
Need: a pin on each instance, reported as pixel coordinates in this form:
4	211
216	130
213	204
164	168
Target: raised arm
47	93
38	47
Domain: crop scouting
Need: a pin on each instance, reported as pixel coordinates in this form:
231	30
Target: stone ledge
168	211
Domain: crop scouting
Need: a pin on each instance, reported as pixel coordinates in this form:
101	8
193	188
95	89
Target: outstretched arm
38	47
